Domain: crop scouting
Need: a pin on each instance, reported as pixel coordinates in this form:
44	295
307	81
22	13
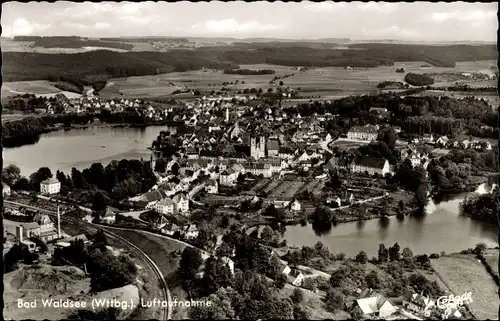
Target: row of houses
414	306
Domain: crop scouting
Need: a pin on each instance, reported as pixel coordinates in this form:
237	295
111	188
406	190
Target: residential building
376	305
272	148
296	205
372	165
212	187
191	232
181	203
110	215
46	228
50	186
165	206
259	169
419	304
228	177
368	133
334	201
381	112
285	153
442	141
5	189
295	277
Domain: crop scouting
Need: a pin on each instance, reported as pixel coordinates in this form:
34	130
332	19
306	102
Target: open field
329	83
207	79
286	189
464	273
26	46
491	259
37	87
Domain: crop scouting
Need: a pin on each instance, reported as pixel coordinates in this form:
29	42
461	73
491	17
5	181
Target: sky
418	21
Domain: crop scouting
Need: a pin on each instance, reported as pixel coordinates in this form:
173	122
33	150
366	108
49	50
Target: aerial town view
250	160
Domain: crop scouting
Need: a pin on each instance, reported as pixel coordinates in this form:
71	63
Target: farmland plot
462	273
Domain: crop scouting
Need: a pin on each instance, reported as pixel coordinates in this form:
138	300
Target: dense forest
77	43
418	80
98	66
249	72
147	39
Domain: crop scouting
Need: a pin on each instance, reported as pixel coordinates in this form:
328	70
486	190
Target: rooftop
49	181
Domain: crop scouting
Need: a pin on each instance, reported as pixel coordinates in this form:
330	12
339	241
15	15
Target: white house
368	133
296	277
109	215
228	177
191	232
376	305
5	189
181	203
295	206
259	169
372	165
165	206
50	186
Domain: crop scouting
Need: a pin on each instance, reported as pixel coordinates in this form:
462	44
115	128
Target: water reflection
438	228
321	229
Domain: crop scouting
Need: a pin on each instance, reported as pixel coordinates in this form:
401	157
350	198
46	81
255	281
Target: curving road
167	311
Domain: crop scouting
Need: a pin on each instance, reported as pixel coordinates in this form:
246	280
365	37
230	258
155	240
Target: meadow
464	273
328	82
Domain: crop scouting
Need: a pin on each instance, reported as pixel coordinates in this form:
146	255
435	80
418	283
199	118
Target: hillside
98	66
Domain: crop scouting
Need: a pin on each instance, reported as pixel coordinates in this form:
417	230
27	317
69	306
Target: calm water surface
441	229
79	148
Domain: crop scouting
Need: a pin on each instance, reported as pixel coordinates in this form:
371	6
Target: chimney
227	114
58	223
19	233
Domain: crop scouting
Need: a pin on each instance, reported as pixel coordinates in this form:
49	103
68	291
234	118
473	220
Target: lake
80	148
440	229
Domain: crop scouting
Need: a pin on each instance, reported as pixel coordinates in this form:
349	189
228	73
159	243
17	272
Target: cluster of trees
107	270
28	130
391	85
445	174
246	294
55	42
413	179
249	72
307	254
479	161
418	79
95	66
102	185
148	39
483	207
18	253
29	102
416	115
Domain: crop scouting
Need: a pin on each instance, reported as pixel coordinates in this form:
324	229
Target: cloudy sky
306	20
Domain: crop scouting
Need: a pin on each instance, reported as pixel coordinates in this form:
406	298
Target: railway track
166	312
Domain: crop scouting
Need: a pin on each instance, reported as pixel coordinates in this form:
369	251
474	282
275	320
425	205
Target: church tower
227	115
153	162
262	149
254	152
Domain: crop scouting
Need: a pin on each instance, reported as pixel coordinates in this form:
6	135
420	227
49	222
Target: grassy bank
464	273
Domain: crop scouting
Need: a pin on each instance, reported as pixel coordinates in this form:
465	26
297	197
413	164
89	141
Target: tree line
249	72
97	185
28	130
